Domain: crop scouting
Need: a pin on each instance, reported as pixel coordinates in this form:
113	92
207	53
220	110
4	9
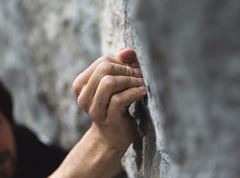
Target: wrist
90	158
107	141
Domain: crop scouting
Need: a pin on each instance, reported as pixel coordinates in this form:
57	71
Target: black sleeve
35	159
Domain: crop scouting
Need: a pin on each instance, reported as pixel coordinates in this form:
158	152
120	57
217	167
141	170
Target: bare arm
105	90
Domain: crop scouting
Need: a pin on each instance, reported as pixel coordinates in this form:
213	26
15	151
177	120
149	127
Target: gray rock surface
17	69
64	38
189	52
44	46
198	52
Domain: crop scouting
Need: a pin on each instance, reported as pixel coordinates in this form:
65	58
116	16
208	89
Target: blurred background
44	45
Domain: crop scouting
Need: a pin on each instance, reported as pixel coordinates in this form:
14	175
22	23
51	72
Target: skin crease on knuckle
104	68
79	81
105	59
107	83
116	101
107	87
111	85
128	70
122	100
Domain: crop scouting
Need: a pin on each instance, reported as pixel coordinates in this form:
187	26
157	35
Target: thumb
128	56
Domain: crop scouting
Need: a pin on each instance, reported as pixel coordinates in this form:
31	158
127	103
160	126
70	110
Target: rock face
189	52
44	46
64	38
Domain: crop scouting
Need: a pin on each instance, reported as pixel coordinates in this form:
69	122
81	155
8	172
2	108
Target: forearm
90	158
105	90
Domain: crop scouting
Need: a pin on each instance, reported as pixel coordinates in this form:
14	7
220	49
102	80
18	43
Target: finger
103	69
128	56
83	78
120	102
107	87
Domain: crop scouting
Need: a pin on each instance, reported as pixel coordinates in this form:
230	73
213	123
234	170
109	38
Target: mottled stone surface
64	38
18	71
44	46
198	53
189	52
122	30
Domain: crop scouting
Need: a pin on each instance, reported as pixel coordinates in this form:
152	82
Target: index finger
83	78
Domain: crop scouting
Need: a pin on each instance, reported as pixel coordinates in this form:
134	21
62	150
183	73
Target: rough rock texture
64	38
192	48
120	31
17	69
44	46
189	52
149	158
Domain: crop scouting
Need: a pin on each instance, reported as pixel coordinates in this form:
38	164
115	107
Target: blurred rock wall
189	52
44	46
190	56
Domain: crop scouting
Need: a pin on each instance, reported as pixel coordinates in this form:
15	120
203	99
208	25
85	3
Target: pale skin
105	90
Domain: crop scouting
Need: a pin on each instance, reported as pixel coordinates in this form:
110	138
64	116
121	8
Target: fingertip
127	55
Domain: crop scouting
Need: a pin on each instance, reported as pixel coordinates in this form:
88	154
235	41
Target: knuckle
133	80
116	101
105	59
104	67
141	81
135	92
108	82
128	70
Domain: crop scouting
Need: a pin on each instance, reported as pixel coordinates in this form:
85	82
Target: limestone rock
44	46
188	51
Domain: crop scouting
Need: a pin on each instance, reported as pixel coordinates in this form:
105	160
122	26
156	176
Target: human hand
105	90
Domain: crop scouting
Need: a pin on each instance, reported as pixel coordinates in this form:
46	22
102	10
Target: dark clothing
35	159
6	104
